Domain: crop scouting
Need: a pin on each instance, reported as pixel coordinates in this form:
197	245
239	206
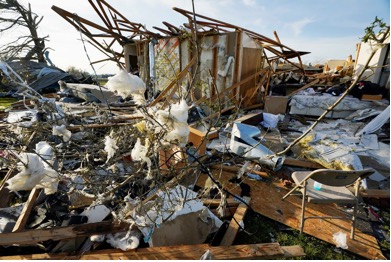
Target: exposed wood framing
226	90
173	83
302	163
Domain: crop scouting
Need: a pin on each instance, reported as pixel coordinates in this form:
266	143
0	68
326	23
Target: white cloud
249	2
297	27
323	49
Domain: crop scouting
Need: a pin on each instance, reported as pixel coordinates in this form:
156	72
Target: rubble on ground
118	169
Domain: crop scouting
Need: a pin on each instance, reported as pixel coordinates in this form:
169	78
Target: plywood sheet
266	199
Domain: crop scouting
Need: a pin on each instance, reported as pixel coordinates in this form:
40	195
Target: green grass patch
5	102
260	229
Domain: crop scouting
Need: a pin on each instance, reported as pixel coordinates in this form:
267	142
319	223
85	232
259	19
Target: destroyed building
204	121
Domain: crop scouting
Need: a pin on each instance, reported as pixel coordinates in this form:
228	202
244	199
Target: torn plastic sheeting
19	116
251	148
340	240
173	203
376	123
96	213
269	120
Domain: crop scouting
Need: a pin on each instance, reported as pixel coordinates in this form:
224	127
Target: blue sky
328	29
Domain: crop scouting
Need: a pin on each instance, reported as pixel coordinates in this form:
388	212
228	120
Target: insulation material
333	145
139	153
45	150
126	85
110	147
33	173
173	120
123	241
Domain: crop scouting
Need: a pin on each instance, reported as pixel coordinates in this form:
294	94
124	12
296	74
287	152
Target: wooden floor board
266	199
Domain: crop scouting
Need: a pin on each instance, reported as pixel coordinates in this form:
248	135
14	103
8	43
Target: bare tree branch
14	14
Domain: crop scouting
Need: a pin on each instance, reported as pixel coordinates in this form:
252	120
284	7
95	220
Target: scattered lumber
34	236
183	252
233	227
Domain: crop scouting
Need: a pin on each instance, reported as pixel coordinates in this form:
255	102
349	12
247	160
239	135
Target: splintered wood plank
34	236
184	252
233	227
376	193
28	206
266	199
235	169
302	163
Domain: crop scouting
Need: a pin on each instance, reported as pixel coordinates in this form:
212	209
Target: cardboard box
276	104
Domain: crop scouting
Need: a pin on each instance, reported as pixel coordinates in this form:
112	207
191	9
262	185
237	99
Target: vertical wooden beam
198	139
233	227
28	206
215	60
238	62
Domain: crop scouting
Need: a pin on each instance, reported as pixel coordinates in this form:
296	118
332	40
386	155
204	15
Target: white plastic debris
269	120
96	213
243	169
376	123
62	131
126	85
340	240
110	147
20	116
97	238
3	67
44	150
33	173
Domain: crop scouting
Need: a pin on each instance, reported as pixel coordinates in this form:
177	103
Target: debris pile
174	159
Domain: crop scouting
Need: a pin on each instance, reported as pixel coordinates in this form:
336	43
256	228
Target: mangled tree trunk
27	46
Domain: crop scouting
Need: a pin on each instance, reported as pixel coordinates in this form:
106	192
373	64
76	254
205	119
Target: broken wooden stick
234	225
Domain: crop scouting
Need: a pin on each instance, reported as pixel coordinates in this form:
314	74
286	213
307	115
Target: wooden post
233	227
28	206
